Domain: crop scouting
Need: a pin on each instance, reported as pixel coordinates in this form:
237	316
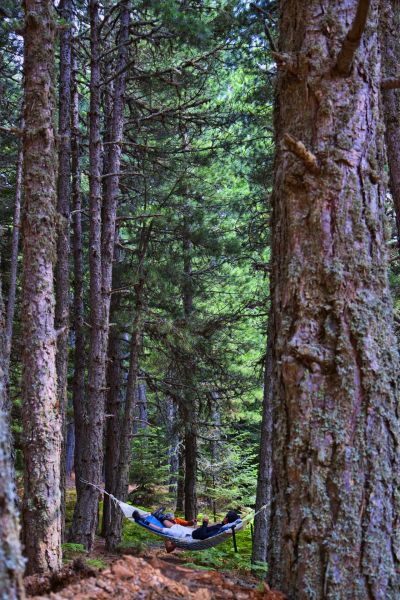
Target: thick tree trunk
335	464
41	416
390	22
91	443
63	209
78	382
11	561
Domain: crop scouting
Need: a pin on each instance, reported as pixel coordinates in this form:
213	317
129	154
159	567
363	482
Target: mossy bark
335	463
41	410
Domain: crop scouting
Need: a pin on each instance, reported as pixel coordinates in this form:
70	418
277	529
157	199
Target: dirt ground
151	577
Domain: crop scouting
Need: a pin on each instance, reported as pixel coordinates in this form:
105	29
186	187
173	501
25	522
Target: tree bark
180	488
14	253
41	417
63	209
11	561
114	533
174	443
114	401
91	443
78	382
335	463
263	496
391	100
189	410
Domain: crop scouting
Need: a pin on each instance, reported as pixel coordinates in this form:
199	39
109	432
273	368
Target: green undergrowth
224	558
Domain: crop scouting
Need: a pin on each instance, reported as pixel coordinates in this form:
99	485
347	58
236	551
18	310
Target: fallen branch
299	149
352	40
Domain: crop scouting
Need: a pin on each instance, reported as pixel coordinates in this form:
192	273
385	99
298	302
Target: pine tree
335	463
41	414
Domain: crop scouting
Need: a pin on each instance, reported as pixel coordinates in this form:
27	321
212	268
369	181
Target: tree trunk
91	443
14	254
140	417
63	209
41	417
263	497
335	436
121	481
114	398
78	382
189	410
180	488
174	443
390	21
11	561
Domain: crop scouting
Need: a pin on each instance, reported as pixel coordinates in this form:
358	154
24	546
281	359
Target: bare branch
12	131
352	40
285	62
391	83
263	15
299	149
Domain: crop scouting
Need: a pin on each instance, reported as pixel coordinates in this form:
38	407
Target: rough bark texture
390	21
11	561
334	517
63	209
14	253
41	416
91	443
78	382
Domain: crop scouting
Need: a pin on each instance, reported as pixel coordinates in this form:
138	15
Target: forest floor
153	576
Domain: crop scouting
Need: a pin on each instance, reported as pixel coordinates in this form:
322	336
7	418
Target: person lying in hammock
206	530
171	527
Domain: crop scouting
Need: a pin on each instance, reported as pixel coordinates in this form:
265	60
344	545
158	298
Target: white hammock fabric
188	543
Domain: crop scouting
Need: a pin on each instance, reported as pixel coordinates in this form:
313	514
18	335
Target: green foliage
71	551
96	563
224	558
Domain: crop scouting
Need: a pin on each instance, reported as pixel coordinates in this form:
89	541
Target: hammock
187	543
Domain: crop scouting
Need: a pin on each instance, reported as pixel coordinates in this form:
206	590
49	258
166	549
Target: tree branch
263	16
391	83
352	40
299	149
